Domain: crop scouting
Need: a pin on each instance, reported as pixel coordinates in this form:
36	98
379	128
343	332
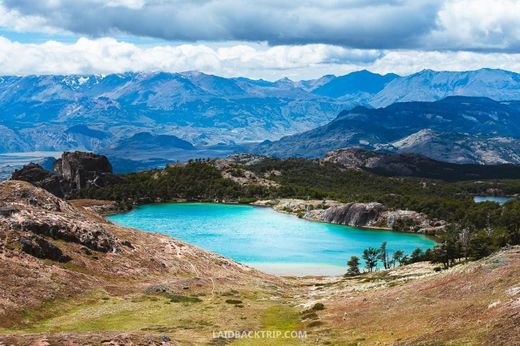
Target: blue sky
267	39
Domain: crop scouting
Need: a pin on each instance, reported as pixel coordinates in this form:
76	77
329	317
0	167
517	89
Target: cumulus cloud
367	24
479	24
14	20
107	55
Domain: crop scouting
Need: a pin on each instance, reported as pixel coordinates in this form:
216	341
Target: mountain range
455	129
459	117
96	112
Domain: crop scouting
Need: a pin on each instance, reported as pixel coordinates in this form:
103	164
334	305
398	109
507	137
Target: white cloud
479	24
107	55
407	62
135	4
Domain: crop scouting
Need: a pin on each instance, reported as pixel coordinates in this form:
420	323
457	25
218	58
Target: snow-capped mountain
38	112
430	85
96	112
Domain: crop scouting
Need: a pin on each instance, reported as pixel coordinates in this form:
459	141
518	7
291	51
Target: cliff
73	172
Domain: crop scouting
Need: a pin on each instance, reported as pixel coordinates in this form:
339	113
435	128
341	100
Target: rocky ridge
416	165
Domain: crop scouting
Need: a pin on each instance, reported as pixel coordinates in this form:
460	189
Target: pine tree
370	256
353	266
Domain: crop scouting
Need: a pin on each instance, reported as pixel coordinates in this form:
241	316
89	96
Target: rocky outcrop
73	172
229	170
370	215
391	164
94	237
246	159
353	158
36	219
39	247
415	165
354	214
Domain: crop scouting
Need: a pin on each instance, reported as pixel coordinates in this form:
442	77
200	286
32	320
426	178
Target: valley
110	277
455	129
286	207
242	173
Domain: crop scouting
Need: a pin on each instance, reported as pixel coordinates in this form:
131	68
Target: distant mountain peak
357	82
429	85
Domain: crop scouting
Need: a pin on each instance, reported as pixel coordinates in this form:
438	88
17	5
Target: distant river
499	200
265	239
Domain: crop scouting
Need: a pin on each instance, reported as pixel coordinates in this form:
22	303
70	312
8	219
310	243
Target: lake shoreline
110	208
109	211
276	243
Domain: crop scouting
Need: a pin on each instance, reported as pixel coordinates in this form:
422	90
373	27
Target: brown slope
473	304
51	251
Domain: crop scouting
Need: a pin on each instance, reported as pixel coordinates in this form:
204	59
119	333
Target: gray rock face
94	238
354	214
39	223
84	170
372	215
415	165
73	172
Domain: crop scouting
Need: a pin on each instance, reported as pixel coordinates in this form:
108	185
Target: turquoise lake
265	239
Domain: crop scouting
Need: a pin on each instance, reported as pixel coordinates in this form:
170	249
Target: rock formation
354	214
72	172
36	218
40	177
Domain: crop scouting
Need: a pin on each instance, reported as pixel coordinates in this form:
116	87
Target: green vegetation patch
128	314
183	299
282	318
